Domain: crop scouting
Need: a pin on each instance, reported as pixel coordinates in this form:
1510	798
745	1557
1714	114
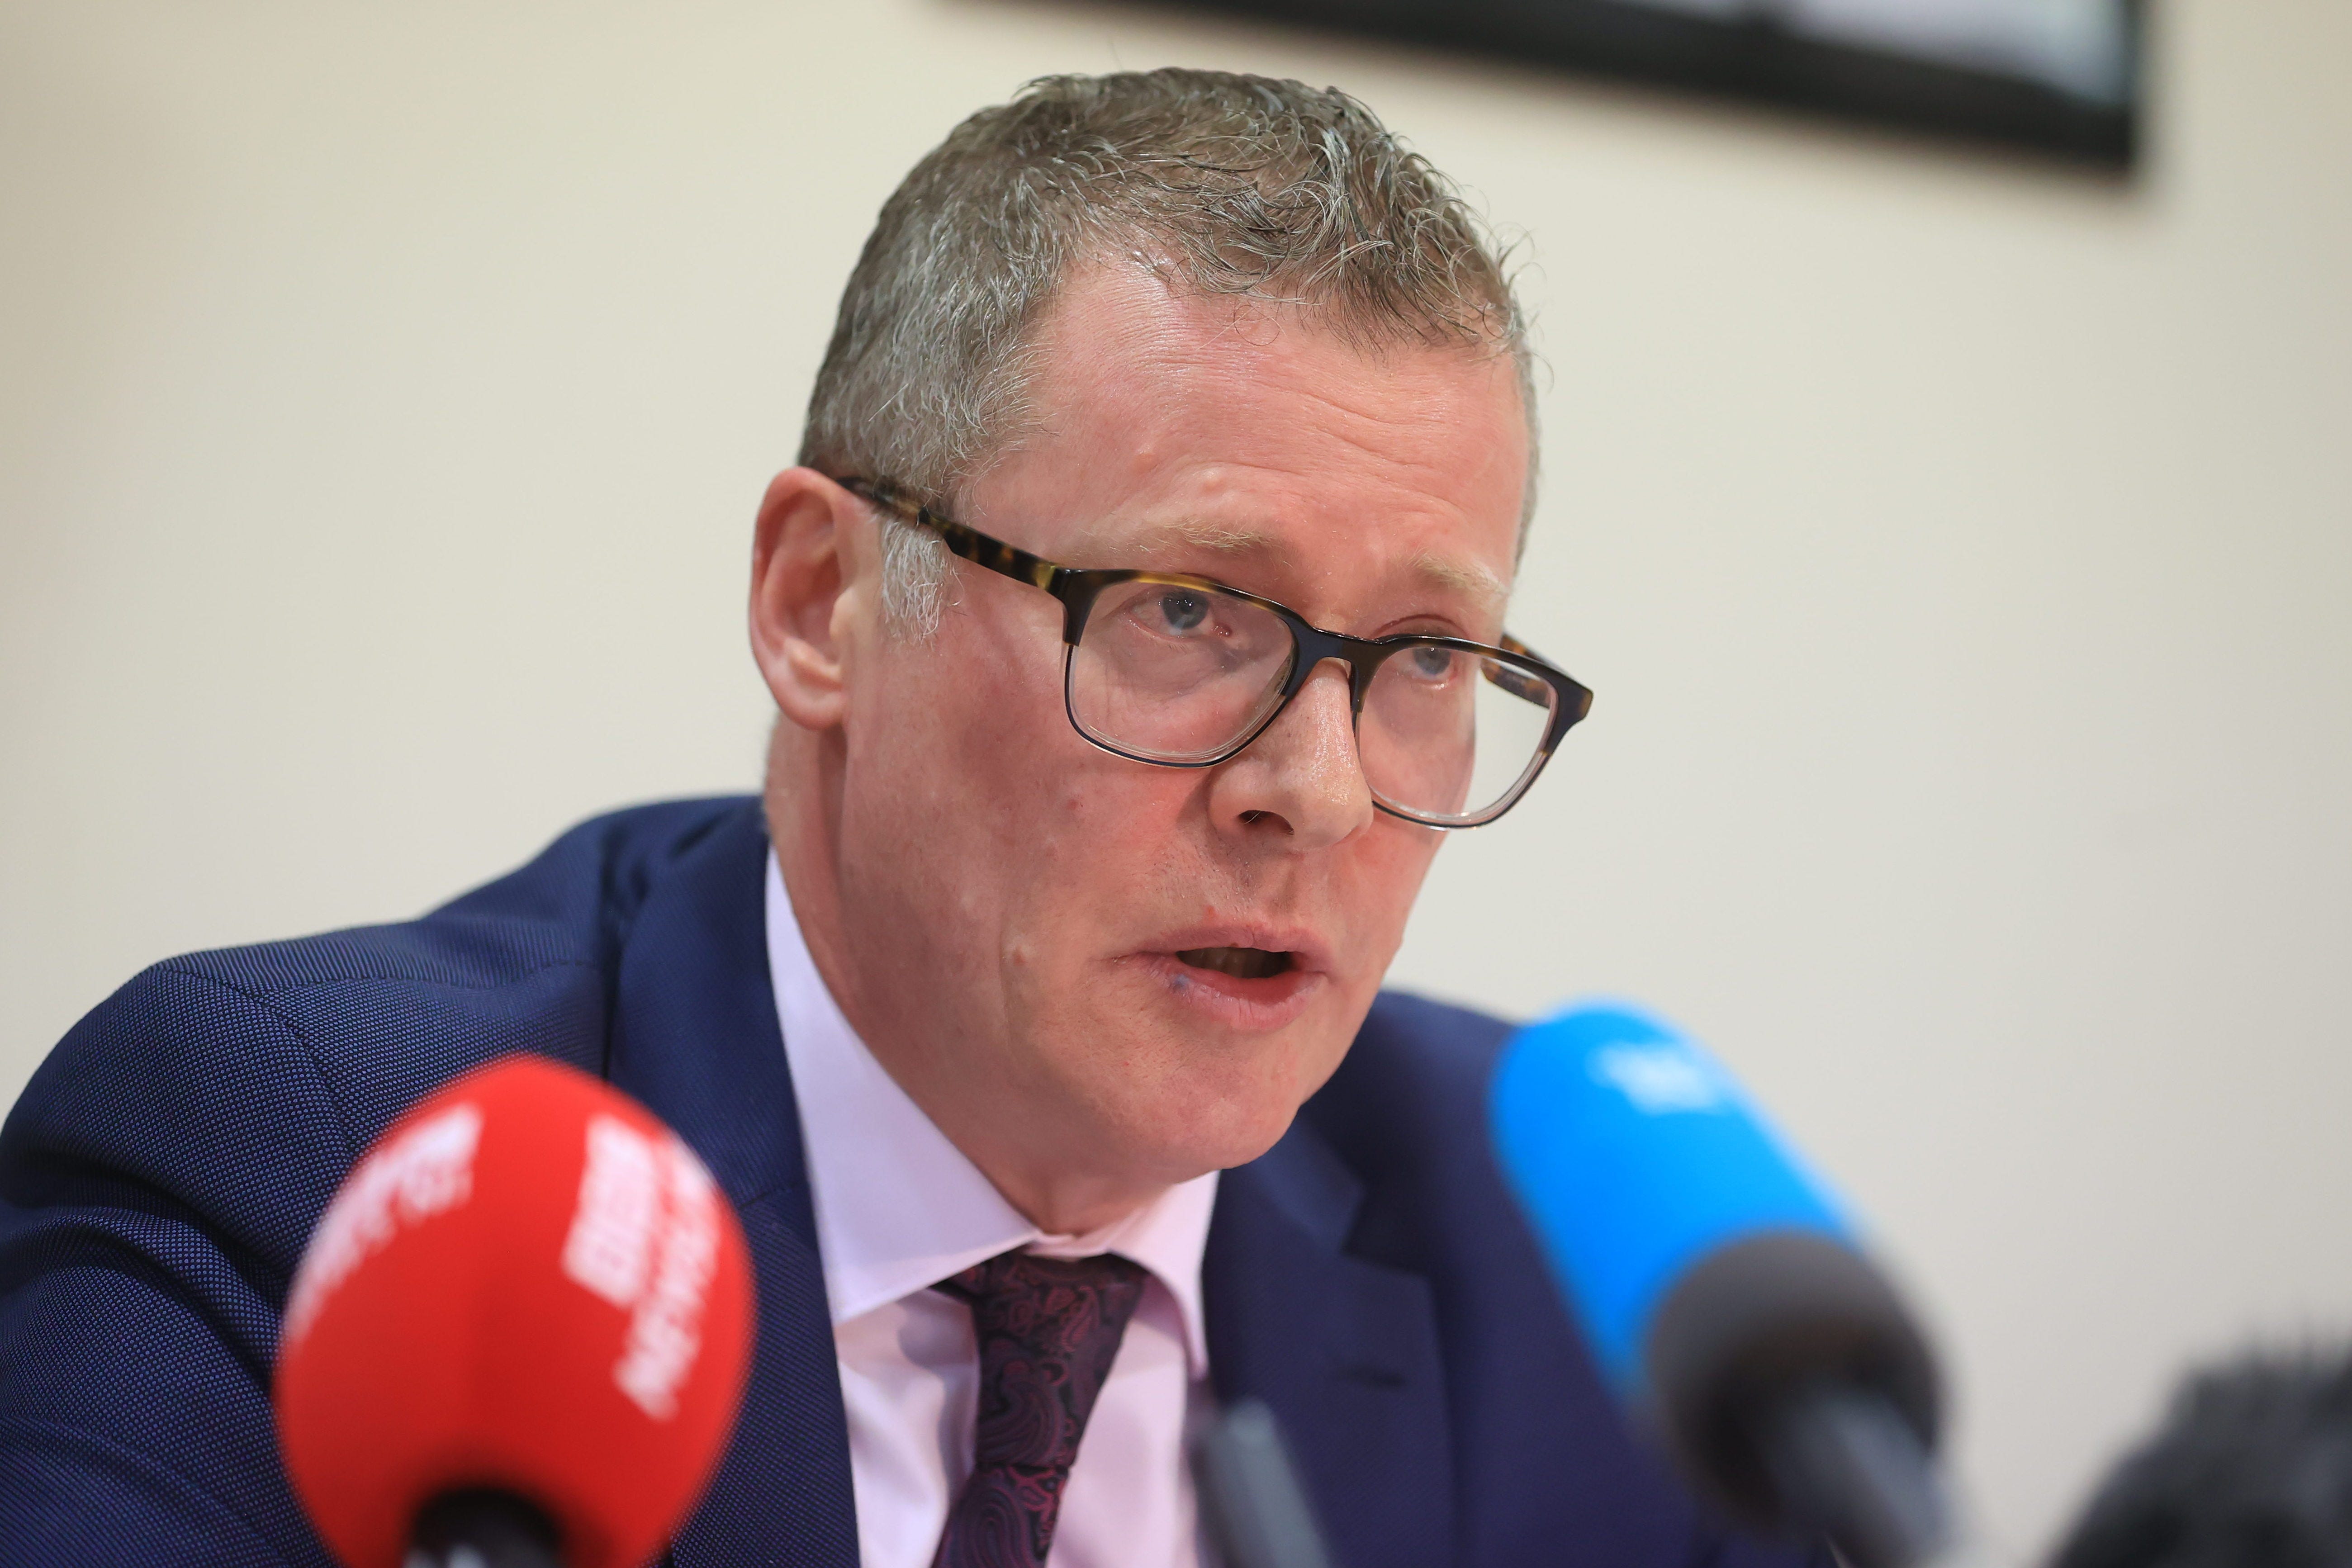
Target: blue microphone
1720	1284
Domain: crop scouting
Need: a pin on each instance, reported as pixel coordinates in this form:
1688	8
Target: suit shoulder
601	868
529	939
240	1083
570	903
179	1096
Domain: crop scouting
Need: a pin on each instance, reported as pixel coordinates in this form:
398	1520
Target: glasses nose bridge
1318	647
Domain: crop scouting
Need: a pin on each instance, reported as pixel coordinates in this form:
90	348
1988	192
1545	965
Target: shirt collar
898	1207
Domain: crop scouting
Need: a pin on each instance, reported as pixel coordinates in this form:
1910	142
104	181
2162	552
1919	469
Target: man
1134	617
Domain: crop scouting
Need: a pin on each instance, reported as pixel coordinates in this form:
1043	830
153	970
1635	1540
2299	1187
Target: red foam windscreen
530	1285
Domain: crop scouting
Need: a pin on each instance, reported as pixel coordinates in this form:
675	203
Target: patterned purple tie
1048	1330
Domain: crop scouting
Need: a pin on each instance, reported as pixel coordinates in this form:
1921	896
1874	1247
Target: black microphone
1253	1508
2251	1468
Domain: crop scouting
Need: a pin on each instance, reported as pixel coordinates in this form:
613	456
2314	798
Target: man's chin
1216	1141
1190	1101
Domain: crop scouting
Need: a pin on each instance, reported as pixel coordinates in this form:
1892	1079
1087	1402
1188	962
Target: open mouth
1241	962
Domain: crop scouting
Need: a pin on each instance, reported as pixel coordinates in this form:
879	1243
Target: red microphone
520	1331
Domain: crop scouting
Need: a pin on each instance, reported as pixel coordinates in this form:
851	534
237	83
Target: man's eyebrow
1218	538
1454	575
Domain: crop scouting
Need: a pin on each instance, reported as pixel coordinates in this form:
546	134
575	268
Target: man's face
1025	918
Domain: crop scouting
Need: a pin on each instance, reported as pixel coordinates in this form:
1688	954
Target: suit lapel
1344	1352
695	1038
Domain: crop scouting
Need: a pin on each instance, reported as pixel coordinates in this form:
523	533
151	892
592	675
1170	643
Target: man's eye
1433	663
1183	611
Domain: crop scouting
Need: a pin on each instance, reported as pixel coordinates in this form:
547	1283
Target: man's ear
803	577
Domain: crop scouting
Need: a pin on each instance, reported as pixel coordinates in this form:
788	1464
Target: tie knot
1050	1304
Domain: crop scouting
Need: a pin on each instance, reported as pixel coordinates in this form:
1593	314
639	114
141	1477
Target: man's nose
1301	779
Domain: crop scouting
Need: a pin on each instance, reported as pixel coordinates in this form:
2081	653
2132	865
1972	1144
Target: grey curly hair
1237	186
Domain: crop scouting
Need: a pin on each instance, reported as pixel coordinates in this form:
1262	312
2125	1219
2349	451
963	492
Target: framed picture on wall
2056	77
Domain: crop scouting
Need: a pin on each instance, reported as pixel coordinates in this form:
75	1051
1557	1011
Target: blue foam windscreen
1635	1153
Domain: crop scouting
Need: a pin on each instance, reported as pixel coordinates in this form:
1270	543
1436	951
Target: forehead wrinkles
1389	409
1216	426
1120	336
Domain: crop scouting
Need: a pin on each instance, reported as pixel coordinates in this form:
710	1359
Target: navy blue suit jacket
1367	1278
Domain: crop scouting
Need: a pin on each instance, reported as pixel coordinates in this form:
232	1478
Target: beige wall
1959	550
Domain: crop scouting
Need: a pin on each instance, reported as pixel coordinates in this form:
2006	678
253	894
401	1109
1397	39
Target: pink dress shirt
898	1208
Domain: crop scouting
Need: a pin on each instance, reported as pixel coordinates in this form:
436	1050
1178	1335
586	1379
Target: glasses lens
1176	673
1451	736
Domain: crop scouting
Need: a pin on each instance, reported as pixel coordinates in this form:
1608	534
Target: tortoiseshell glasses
1184	672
